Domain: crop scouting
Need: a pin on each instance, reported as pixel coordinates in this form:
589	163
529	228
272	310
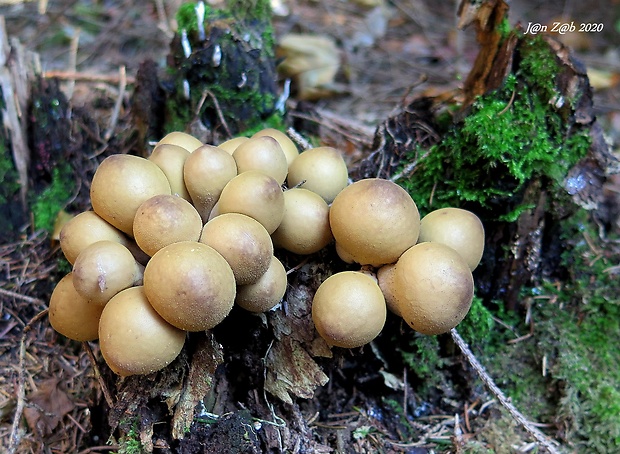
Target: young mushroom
171	159
265	293
181	139
190	285
374	221
134	339
321	170
434	288
348	309
71	314
288	146
262	153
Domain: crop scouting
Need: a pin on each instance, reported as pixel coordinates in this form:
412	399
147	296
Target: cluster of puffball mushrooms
174	240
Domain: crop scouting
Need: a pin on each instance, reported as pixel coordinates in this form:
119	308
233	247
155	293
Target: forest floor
390	53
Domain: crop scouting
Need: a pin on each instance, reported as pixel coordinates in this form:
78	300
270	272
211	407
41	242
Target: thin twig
104	388
86	77
488	381
19	296
119	103
15	437
220	114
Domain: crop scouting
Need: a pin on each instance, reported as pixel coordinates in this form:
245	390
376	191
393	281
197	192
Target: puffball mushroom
243	242
207	170
305	226
190	285
71	314
265	293
182	139
460	229
134	339
385	278
434	287
85	229
254	194
171	159
231	145
120	184
103	269
348	309
374	221
163	220
262	153
288	146
321	170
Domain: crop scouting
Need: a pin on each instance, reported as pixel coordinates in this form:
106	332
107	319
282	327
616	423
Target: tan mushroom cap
386	280
231	145
190	285
460	229
305	226
103	269
349	309
207	170
171	160
288	146
434	288
71	314
267	292
85	229
181	139
254	194
322	170
163	220
134	339
262	153
374	221
243	242
120	184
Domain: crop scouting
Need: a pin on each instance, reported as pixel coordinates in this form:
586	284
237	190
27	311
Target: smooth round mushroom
103	269
348	309
190	285
434	288
71	314
460	229
374	221
288	146
243	242
264	154
171	160
386	280
254	194
304	229
231	145
264	294
321	170
207	170
181	139
85	229
120	184
134	339
163	220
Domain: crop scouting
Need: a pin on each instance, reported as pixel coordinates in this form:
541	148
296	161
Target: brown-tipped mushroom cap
190	285
243	242
134	339
265	293
264	154
207	170
72	315
103	269
171	159
374	221
163	220
85	229
349	309
231	145
322	170
120	184
181	139
288	146
460	229
305	226
434	287
254	194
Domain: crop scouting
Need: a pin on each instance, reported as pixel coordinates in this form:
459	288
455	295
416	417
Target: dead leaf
47	407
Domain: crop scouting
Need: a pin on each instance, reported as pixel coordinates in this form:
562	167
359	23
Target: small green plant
46	205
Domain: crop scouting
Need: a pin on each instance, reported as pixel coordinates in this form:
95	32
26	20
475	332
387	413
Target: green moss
8	175
46	205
